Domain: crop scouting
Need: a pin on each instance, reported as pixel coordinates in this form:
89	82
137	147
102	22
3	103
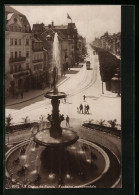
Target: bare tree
42	118
8	123
25	120
113	123
8	120
101	122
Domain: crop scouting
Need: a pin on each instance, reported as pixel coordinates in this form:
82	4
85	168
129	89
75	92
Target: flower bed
110	130
20	127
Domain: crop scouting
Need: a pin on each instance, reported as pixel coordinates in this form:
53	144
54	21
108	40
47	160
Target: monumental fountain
55	156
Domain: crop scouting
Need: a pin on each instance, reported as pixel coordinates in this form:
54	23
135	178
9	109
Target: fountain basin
52	95
49	162
68	138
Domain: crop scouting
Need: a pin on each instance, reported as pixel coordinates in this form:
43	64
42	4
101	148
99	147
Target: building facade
18	43
111	43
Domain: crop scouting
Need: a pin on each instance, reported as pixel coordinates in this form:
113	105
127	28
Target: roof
12	10
36	39
37	27
57	27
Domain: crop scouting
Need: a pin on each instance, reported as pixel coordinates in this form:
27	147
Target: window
19	67
27	54
38	56
15	28
12	55
19	41
11	28
19	54
15	41
15	68
27	41
11	69
16	54
35	67
11	41
27	66
15	20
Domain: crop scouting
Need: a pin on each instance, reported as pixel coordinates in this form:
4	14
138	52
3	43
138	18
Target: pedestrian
67	121
81	108
84	98
87	109
65	100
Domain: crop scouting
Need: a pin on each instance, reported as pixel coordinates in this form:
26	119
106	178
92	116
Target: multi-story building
37	55
18	44
67	35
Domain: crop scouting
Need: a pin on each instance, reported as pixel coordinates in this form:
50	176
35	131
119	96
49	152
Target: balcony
38	60
21	73
19	59
37	50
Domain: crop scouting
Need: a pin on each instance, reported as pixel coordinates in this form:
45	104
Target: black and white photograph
63	96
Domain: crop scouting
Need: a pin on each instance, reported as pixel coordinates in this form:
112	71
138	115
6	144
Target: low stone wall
111	142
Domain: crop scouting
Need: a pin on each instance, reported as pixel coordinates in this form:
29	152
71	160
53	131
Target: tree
25	120
101	122
8	121
8	124
113	123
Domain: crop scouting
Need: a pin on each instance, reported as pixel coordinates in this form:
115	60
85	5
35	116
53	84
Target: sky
91	20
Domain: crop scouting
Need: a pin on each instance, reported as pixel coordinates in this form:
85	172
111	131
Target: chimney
52	23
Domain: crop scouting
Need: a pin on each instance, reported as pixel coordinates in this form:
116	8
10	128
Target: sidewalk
32	94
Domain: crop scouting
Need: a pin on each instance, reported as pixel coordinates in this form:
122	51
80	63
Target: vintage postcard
63	96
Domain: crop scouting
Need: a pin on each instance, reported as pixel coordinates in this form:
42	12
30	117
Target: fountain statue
67	137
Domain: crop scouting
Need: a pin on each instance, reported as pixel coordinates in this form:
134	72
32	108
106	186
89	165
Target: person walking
84	98
87	109
67	121
81	108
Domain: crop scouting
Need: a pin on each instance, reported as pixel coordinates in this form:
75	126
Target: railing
21	73
35	50
19	59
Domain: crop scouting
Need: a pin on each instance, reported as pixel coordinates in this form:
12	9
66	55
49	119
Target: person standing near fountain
67	121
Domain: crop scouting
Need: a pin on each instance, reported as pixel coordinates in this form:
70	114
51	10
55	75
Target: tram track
93	80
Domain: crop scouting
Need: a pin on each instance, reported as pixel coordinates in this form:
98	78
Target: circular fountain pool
80	164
